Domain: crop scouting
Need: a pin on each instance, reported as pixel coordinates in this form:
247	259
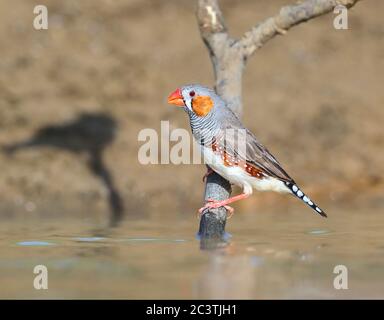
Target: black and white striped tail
301	195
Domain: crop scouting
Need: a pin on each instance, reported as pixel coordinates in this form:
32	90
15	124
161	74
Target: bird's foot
213	204
209	172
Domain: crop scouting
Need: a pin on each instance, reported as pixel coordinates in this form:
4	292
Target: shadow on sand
89	134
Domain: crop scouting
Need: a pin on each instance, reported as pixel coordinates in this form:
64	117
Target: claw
213	204
230	210
209	171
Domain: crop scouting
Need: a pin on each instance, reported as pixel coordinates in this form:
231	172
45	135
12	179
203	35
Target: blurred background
73	99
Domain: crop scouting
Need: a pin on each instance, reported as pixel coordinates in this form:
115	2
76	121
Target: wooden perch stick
228	58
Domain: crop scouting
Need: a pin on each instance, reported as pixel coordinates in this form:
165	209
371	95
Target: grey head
208	113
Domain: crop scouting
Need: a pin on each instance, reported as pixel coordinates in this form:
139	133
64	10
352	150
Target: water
270	255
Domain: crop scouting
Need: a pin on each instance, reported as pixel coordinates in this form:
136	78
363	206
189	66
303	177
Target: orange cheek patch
201	105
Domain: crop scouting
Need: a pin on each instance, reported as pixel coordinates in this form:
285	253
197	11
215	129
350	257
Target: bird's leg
212	204
218	204
209	171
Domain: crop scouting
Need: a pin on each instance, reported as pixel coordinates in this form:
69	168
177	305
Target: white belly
240	177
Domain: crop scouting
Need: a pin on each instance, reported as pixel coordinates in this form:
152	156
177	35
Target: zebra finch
238	157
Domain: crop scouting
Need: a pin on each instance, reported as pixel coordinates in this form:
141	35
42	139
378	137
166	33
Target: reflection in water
212	233
89	134
213	244
227	275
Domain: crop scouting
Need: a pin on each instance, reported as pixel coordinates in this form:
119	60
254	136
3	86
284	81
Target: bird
231	150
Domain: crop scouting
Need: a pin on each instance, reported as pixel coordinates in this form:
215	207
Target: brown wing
242	148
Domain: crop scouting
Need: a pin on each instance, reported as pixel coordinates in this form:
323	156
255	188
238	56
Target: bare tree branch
227	64
288	17
228	58
211	24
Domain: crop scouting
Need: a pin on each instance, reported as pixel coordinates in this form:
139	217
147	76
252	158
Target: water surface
270	255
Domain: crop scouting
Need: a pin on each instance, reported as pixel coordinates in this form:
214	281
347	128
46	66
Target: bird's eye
192	93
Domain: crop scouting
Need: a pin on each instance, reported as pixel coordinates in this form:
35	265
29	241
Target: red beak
176	98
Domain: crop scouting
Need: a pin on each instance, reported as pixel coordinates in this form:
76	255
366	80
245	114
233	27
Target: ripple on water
319	231
151	240
35	243
88	239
